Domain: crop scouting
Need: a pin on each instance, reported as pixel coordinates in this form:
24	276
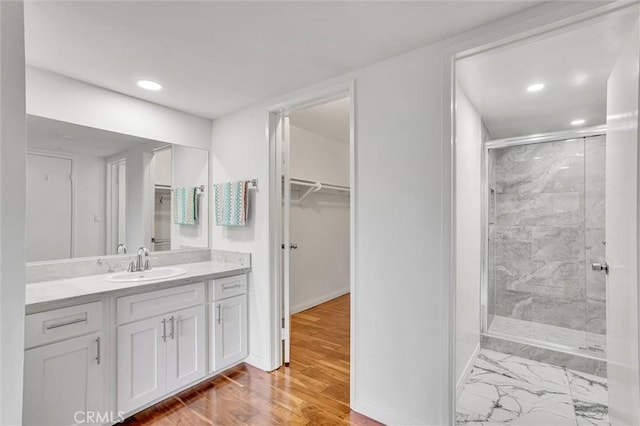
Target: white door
62	379
622	235
49	208
141	362
230	316
185	347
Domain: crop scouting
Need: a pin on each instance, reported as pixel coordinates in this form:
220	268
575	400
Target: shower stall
544	215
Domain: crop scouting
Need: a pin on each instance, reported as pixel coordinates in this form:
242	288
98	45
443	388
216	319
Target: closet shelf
315	186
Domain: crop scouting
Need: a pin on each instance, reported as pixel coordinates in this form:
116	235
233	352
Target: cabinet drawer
60	324
144	305
227	287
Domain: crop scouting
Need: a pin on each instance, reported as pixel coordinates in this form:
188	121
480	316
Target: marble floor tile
505	389
590	398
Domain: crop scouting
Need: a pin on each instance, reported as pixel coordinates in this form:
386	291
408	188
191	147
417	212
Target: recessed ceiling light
149	85
535	87
577	122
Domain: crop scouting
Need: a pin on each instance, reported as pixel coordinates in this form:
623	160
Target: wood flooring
313	390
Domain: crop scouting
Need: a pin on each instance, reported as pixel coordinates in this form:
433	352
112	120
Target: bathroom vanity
99	349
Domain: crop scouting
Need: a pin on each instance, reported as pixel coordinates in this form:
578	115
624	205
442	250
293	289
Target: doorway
312	176
116	206
536	121
316	209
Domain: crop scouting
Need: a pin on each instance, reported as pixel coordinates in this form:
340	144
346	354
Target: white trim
547	137
301	100
318	300
74	195
275	256
467	371
383	416
109	245
258	362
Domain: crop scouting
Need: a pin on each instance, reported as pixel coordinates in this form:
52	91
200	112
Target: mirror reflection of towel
230	200
185	206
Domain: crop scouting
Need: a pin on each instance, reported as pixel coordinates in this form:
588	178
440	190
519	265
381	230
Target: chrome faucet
143	251
138	265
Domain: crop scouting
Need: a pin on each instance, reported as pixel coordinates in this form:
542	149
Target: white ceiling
216	57
573	65
330	119
54	135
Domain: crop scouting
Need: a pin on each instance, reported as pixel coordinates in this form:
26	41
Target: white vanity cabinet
164	352
64	364
99	360
227	322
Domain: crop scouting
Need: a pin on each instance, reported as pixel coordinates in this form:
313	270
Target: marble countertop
44	294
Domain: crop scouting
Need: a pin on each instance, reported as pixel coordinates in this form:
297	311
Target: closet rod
313	184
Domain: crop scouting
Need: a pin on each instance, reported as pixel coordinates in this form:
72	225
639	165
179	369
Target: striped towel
230	199
185	206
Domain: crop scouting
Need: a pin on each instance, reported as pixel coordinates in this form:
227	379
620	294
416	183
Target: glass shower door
541	210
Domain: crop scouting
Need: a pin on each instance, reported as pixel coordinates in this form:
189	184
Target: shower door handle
600	267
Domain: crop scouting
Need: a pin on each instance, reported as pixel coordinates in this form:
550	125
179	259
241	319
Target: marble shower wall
549	227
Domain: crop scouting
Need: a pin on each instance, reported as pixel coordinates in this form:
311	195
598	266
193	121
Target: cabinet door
185	347
141	362
229	322
64	382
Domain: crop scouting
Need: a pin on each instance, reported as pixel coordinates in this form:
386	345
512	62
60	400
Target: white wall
399	307
315	157
400	231
320	266
240	151
468	158
12	210
61	98
190	167
162	167
403	191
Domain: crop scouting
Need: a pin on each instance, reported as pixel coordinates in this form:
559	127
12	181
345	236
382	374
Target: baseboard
318	300
467	371
374	412
258	362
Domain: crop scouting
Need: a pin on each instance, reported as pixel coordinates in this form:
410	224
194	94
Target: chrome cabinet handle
164	329
230	286
173	320
62	324
98	350
218	319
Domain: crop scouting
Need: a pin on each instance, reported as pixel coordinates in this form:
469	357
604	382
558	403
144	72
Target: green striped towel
185	206
230	200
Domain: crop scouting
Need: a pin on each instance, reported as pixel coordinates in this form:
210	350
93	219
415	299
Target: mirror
91	192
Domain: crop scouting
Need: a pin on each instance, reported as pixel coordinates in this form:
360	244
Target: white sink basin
149	275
